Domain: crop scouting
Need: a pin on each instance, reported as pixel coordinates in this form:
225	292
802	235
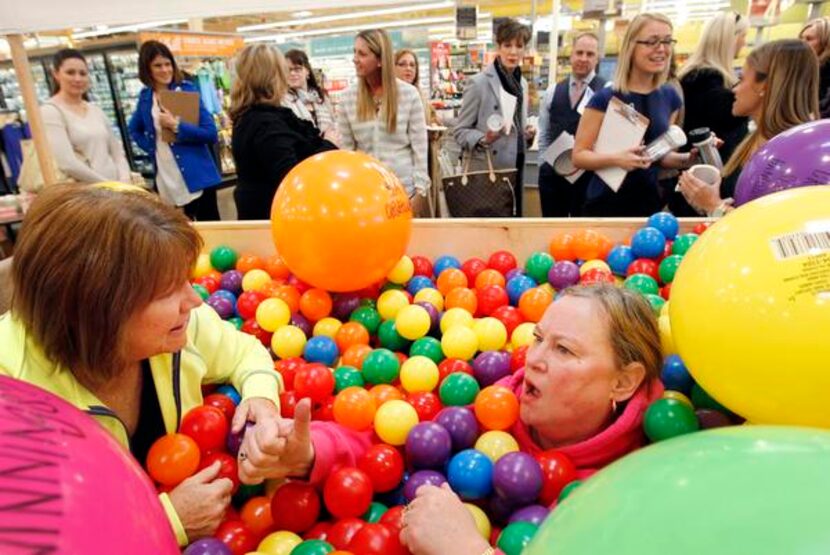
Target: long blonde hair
261	78
629	44
716	49
822	27
380	45
790	69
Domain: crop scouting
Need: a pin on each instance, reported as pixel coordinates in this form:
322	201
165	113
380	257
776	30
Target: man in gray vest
560	113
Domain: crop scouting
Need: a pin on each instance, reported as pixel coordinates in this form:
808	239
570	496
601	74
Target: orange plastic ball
289	294
561	247
256	514
271	289
341	220
351	333
496	408
588	244
354	355
534	302
385	392
450	279
248	262
315	304
462	298
172	458
354	408
489	277
276	268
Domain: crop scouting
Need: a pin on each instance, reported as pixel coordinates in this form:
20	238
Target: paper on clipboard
622	128
508	109
558	156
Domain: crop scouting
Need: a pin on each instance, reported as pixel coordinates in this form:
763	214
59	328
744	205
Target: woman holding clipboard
186	172
640	82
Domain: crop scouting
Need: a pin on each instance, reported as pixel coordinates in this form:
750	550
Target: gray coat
481	99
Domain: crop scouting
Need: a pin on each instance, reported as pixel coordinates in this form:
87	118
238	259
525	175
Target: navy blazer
193	142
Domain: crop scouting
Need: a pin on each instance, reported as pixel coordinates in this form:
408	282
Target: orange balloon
561	247
354	355
341	220
462	298
496	407
351	333
276	268
534	302
449	279
172	458
315	304
256	514
489	277
385	392
247	262
588	244
354	408
289	294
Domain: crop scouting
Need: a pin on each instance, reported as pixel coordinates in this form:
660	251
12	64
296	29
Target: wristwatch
176	127
720	211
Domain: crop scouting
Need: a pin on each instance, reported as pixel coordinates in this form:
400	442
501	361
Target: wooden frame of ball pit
461	237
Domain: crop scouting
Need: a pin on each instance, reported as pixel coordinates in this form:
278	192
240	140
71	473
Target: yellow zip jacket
215	353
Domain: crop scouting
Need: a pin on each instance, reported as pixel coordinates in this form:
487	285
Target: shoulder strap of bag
466	162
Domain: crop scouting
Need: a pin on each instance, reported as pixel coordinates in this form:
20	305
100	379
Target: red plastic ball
384	465
426	404
472	267
518	358
347	492
422	265
227	466
314	381
247	304
376	539
295	507
451	365
251	327
209	282
596	275
319	531
393	518
223	403
491	298
288	402
645	266
298	284
510	316
665	291
558	471
288	370
701	227
341	532
237	536
256	515
208	427
667	251
324	411
502	261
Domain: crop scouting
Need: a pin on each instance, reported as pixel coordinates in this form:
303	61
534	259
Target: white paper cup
706	173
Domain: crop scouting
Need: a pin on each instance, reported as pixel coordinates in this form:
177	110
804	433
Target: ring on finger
243	456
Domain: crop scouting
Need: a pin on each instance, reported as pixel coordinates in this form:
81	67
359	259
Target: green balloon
642	283
381	366
668	418
743	489
656	302
683	243
668	267
458	389
347	376
428	347
223	258
313	547
538	265
202	291
515	537
702	400
368	317
390	338
236	321
567	490
375	511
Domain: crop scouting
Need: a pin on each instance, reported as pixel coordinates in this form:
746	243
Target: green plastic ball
428	347
381	366
390	338
236	321
223	258
458	389
201	290
368	317
313	547
683	243
368	303
388	286
668	267
375	511
567	490
347	376
668	418
515	537
538	266
642	283
656	302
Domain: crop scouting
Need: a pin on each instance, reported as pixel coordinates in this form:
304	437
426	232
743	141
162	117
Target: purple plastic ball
232	281
207	546
422	478
302	322
710	418
234	441
518	477
534	514
491	366
461	423
343	304
563	274
222	306
499	509
428	445
513	273
434	315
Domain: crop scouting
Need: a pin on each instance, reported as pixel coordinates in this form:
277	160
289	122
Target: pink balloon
67	486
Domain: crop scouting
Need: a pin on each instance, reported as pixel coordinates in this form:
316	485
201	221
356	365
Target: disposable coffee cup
706	173
495	123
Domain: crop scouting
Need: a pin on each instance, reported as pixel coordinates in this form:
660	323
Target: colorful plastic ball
390	302
383	393
648	242
384	465
683	243
491	333
381	366
470	473
327	326
458	389
351	333
418	283
201	291
207	546
314	381
422	478
538	265
172	458
656	302
430	295
472	267
517	477
402	271
412	322
389	338
491	298
279	543
502	261
230	392
676	376
321	349
434	316
642	283
232	281
666	223
597	276
419	374
315	304
422	266
428	445
462	297
368	317
702	400
313	547
589	244
668	267
482	521
223	258
207	426
568	490
223	307
295	507
444	262
517	286
489	277
236	321
677	396
393	421
462	425
496	408
491	366
426	404
534	302
255	280
510	316
428	347
668	418
460	342
619	259
272	314
375	512
523	335
456	317
710	418
347	492
563	274
495	444
558	471
300	321
561	247
202	266
347	376
450	365
516	536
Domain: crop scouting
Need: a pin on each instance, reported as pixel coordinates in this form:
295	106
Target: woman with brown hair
407	70
103	315
307	98
817	35
268	138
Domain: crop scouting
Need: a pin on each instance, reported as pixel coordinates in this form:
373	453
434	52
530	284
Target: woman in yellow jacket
103	315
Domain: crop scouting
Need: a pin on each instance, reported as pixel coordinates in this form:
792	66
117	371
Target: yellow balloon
390	302
402	272
419	373
492	335
431	296
121	187
592	265
482	522
459	342
288	342
666	340
279	543
456	317
255	280
328	326
523	335
750	309
496	444
393	420
412	322
677	396
272	314
202	266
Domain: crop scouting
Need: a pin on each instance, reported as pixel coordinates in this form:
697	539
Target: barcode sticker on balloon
800	243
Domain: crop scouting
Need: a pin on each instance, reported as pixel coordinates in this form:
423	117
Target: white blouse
169	180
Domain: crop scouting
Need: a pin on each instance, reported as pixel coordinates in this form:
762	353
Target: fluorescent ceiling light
127	28
417	7
350	29
302	14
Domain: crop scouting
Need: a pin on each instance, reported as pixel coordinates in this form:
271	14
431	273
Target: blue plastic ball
619	259
648	242
470	473
321	349
225	294
518	285
675	375
417	283
444	262
230	392
666	223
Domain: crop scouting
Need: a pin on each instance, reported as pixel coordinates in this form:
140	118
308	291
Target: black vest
562	116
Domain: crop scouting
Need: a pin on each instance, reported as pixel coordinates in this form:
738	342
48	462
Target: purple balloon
710	418
422	478
434	315
428	445
491	366
232	281
563	274
518	477
302	322
222	306
534	514
461	423
207	546
797	157
343	304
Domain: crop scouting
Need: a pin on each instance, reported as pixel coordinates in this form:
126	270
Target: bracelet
720	211
176	128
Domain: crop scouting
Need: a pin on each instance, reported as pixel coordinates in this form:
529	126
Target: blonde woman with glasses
817	35
640	81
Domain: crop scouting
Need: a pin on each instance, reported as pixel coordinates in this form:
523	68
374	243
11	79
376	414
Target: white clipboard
622	128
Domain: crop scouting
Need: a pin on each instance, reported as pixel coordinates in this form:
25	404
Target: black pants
559	197
204	208
519	187
634	199
253	203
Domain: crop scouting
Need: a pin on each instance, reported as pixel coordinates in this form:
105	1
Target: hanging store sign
466	22
195	44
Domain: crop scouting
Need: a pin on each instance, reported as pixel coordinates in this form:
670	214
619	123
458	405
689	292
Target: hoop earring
613	406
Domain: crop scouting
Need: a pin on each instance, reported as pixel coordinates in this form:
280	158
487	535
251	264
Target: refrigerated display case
10	97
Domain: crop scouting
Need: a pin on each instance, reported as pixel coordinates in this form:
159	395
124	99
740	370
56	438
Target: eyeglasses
296	69
652	43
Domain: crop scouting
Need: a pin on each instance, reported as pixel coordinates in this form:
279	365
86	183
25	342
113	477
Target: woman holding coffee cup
778	91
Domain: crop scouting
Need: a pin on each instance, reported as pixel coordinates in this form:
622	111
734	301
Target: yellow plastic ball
431	296
594	264
327	326
666	339
402	272
677	396
456	317
272	314
495	444
288	342
523	335
548	287
202	266
391	302
255	280
492	335
482	522
393	420
460	342
419	373
412	322
279	543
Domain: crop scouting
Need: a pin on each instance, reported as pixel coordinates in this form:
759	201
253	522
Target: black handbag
481	194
